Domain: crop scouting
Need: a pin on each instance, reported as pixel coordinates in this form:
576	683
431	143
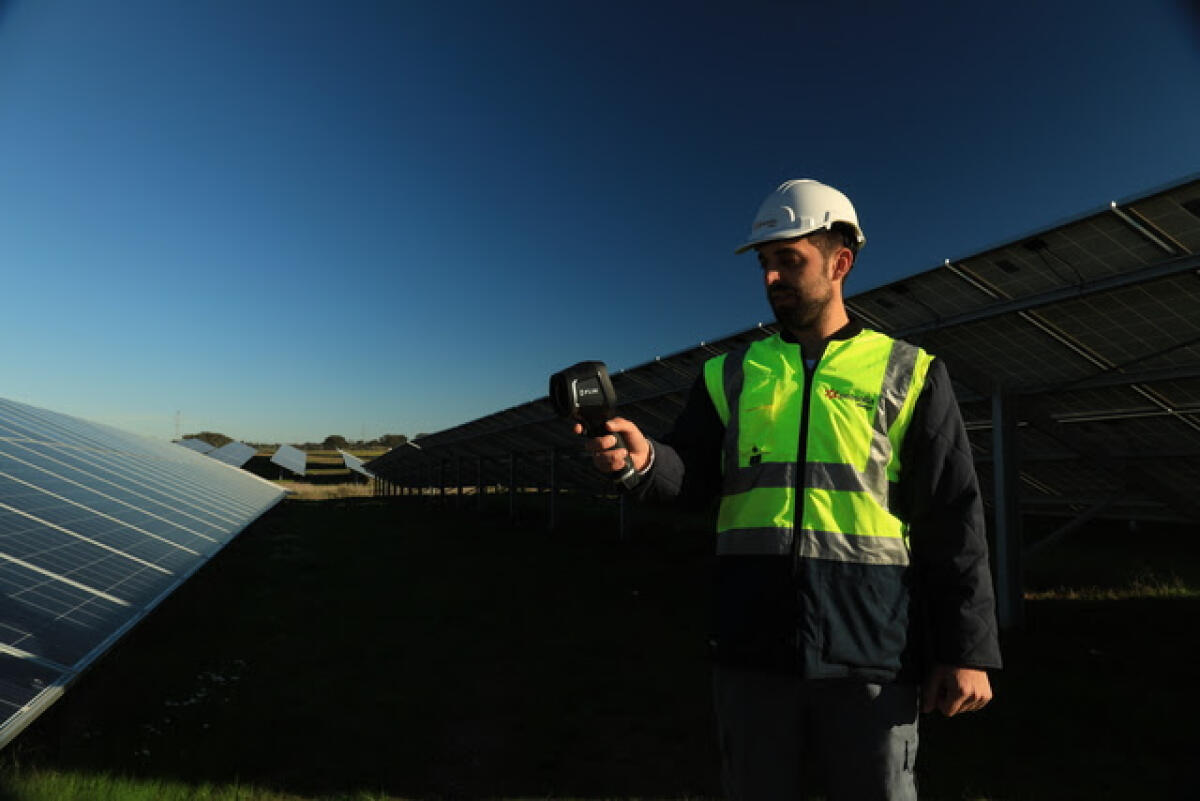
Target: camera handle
627	476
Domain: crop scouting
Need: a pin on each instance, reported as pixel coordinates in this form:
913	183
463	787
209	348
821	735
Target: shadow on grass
354	645
357	645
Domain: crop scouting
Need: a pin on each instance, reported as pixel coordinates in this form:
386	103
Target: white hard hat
800	207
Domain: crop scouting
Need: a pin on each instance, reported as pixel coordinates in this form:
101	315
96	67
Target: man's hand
610	461
954	689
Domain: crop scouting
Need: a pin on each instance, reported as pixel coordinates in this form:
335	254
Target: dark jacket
825	619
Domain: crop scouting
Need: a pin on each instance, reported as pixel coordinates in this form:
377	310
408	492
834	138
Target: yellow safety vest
858	400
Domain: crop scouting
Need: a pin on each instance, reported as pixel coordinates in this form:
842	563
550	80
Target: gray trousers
771	728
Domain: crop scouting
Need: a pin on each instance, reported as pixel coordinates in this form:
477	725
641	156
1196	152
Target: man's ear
843	260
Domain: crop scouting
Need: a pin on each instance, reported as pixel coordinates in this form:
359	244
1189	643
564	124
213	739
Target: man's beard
800	313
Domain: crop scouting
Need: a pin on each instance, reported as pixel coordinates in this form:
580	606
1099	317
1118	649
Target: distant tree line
335	441
211	437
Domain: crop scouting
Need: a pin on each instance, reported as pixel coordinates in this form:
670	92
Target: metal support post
1007	521
458	478
512	485
479	483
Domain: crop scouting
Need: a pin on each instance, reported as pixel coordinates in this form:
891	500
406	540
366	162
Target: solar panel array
97	526
235	454
291	459
1091	328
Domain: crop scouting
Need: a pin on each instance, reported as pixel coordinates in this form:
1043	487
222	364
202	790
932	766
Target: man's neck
813	338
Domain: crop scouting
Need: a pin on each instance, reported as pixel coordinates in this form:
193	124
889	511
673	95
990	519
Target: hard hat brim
793	233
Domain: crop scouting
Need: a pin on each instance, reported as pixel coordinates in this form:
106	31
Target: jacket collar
847	331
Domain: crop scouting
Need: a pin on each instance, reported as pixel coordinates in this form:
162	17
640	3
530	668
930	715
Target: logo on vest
864	401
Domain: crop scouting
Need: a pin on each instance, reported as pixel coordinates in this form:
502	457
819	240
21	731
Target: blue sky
284	220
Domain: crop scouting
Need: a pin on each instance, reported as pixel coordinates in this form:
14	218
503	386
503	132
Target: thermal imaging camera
584	392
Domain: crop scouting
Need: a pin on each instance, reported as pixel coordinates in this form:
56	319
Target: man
852	583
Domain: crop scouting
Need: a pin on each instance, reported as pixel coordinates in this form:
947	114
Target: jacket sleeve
940	498
687	461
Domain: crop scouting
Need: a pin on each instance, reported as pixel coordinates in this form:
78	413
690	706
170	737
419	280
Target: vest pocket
864	616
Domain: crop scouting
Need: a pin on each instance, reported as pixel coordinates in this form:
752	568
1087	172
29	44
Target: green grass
50	785
357	649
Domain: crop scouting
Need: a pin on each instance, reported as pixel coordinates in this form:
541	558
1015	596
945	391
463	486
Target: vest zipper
802	458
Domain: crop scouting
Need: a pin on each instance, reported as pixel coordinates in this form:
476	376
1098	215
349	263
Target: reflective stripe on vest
860	403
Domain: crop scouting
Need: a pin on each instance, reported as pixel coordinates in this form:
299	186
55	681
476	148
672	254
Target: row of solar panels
1091	329
288	457
97	526
234	453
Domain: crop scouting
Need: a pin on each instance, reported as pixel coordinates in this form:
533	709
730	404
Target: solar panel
235	454
96	527
198	445
291	459
354	464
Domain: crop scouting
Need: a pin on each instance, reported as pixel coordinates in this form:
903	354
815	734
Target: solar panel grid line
70	560
1063	338
1180	390
85	487
166	481
21	563
41	429
62	436
123	523
99	453
76	560
1121	248
1169	215
1165	269
1134	219
91	509
115	503
17	653
1140	320
84	538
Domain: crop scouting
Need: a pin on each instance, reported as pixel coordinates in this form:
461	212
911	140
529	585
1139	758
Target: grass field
357	649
